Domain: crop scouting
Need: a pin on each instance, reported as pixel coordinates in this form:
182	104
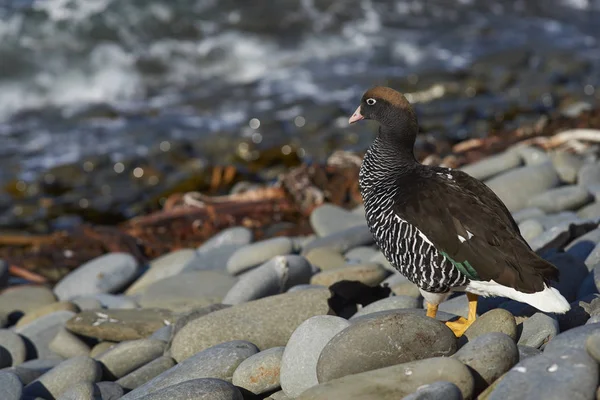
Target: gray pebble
304	287
196	389
527	351
572	374
274	277
216	362
328	219
567	165
527	213
569	197
342	241
33	369
493	165
24	299
56	381
390	303
325	258
497	320
128	356
143	374
439	390
257	253
561	218
164	334
490	355
82	391
360	254
237	235
300	357
531	155
110	390
14	345
87	303
592	345
116	301
379	258
401	286
259	373
104	274
517	186
162	267
530	229
458	305
41	331
572	339
67	345
391	383
589	174
380	340
10	385
591	211
370	274
538	330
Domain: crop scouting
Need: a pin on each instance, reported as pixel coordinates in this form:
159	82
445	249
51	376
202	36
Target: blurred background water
103	101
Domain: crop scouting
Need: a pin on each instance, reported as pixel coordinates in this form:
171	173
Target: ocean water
116	77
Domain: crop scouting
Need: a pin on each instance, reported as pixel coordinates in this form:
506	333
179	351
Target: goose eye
371	101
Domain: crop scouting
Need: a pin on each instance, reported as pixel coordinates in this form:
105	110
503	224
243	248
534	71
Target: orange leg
462	324
432	310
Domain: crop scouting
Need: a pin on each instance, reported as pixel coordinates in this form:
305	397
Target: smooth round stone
490	355
304	287
67	345
360	254
493	165
592	345
280	395
81	391
128	356
392	383
104	274
382	340
119	325
137	378
162	267
328	219
164	334
14	345
87	303
218	362
101	348
187	291
591	211
391	303
41	331
214	253
110	390
342	241
370	274
45	310
10	385
24	299
257	253
531	155
379	258
569	197
570	375
589	174
325	258
58	380
300	357
116	301
4	274
197	389
517	186
274	277
527	213
530	229
439	390
563	218
497	320
527	351
401	286
538	330
573	339
237	236
33	369
267	322
567	165
259	373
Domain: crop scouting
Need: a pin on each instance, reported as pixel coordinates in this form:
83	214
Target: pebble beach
240	318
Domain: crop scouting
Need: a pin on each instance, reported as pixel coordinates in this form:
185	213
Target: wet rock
257	253
104	274
162	267
119	325
58	380
550	376
215	362
328	219
67	345
493	165
274	277
394	382
11	385
439	390
140	376
14	345
325	258
370	274
186	291
390	303
45	310
567	165
40	332
267	322
259	373
569	197
497	320
197	389
299	361
538	330
128	356
24	299
517	186
489	356
380	340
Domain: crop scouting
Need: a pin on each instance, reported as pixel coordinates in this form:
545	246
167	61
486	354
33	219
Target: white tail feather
548	300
